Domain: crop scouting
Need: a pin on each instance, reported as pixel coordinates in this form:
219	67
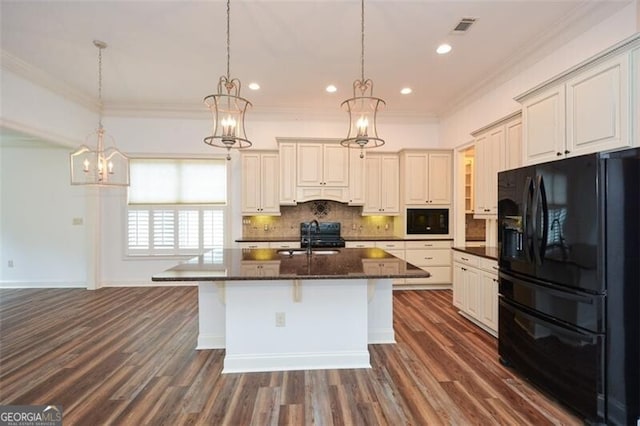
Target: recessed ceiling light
406	90
254	86
443	48
331	88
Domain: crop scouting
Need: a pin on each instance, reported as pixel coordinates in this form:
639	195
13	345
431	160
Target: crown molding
10	129
526	55
35	75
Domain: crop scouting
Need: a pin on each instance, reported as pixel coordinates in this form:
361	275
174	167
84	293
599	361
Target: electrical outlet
10	264
77	221
280	319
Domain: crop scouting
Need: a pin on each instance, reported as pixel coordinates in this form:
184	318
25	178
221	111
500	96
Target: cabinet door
474	292
439	178
489	294
270	194
356	178
373	173
250	183
459	287
309	162
335	169
598	108
390	185
479	192
543	123
288	182
415	186
494	159
513	145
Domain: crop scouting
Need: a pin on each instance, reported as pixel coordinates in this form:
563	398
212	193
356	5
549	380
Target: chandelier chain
100	86
362	38
228	38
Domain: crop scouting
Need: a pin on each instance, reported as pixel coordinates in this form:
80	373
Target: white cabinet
635	90
284	244
323	164
252	268
475	289
382	173
582	111
356	178
359	244
598	108
253	245
497	148
260	189
543	122
426	177
435	258
288	184
322	172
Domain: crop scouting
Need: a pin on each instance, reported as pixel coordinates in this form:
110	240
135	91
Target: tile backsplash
474	228
288	224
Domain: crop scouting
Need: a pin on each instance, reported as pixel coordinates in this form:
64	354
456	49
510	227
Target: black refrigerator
569	298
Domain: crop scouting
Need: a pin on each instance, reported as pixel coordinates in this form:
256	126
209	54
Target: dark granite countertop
482	251
274	264
346	238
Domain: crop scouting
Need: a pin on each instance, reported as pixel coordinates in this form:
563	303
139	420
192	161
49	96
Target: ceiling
168	55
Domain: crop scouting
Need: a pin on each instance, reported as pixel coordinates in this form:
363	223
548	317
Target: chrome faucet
309	234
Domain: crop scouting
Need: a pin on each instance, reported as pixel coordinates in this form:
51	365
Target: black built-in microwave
427	221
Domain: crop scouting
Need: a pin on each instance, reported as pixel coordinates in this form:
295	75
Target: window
176	206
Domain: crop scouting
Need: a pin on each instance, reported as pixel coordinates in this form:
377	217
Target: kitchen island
289	310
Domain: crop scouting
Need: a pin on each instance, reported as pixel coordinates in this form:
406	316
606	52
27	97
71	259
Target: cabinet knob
558	154
566	151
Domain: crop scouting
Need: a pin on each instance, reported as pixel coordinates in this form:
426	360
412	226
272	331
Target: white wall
456	128
39	112
39	205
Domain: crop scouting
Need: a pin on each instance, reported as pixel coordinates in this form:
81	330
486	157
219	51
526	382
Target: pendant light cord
100	86
362	38
228	38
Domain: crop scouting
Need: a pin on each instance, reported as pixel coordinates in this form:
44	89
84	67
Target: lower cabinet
475	290
432	256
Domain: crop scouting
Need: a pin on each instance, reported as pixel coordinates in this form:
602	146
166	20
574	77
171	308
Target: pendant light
362	108
102	166
228	109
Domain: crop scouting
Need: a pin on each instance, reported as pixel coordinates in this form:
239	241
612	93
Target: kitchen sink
294	252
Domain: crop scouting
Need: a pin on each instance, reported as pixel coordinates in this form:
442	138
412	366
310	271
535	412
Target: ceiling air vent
464	25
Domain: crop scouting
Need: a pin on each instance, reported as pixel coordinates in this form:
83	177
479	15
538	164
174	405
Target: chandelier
102	166
228	109
362	108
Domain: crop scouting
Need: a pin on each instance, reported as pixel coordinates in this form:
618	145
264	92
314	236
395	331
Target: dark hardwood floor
126	356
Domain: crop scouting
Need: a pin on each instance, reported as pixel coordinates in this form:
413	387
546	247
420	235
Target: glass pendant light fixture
102	166
362	108
228	109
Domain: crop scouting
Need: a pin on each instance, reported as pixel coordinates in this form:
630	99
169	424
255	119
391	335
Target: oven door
567	362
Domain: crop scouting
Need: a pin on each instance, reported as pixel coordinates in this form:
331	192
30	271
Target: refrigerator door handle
526	199
542	193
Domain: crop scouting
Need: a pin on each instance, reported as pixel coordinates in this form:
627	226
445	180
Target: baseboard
295	361
381	336
42	284
479	324
209	341
422	287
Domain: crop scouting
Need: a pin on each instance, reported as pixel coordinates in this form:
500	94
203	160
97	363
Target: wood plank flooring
126	356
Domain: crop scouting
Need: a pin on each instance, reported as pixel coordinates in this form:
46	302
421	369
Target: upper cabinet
497	148
426	177
585	110
323	164
382	175
322	172
260	189
356	178
288	185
